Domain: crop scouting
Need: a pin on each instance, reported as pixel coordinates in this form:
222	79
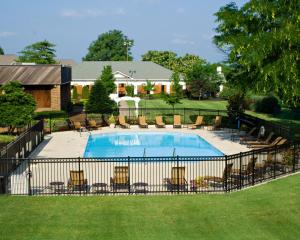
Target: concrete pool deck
71	144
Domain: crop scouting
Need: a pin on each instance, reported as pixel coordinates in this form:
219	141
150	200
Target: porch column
168	87
135	89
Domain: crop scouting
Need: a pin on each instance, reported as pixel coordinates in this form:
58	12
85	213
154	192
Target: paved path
123	111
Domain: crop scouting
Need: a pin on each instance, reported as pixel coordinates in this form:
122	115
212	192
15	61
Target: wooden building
48	84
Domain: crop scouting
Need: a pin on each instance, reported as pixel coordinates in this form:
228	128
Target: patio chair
92	124
246	171
142	122
220	181
177	121
177	180
77	182
199	122
77	126
217	123
159	122
122	122
274	143
120	180
257	142
248	135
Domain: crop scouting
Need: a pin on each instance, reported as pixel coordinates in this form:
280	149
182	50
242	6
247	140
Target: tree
202	79
75	95
1	51
176	87
39	53
262	42
129	90
171	99
99	101
85	92
108	79
149	87
16	106
236	106
109	46
166	59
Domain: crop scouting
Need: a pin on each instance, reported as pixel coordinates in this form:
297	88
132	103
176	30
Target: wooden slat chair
77	182
159	122
177	180
257	142
77	126
142	122
246	171
120	180
92	124
177	121
122	122
218	122
220	181
275	142
199	122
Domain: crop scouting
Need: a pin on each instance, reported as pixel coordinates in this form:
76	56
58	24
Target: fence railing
149	175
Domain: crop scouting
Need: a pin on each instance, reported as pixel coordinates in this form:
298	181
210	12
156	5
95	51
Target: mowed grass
270	211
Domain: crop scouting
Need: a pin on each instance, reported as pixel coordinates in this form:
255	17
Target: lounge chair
142	122
220	181
120	180
248	135
177	121
257	142
199	122
92	124
77	182
246	171
159	122
275	142
123	123
177	180
77	126
218	122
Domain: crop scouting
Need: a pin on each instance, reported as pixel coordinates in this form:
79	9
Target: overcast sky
182	26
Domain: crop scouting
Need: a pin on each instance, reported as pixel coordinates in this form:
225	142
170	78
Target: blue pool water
150	144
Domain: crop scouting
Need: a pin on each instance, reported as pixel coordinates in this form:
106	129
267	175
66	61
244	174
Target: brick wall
56	98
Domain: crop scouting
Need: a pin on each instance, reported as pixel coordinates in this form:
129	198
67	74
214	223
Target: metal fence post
128	175
275	161
29	178
50	122
177	180
294	157
240	175
79	176
226	177
253	168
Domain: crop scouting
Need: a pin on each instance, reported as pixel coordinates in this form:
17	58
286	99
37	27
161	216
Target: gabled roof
35	74
68	62
8	59
137	70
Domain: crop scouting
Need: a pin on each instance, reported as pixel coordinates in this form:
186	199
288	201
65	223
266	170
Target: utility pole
127	43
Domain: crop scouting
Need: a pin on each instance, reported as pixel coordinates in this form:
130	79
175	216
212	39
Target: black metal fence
18	150
148	175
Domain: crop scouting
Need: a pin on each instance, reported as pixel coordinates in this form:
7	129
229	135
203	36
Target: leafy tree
149	87
16	106
186	62
109	46
262	42
1	51
108	79
75	95
130	90
176	87
171	99
202	79
236	106
85	92
99	101
39	53
166	59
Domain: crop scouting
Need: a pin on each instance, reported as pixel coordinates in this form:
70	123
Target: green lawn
271	211
203	104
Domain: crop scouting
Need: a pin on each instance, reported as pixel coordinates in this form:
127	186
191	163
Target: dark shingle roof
31	74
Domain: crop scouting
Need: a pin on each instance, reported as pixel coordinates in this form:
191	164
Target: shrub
75	93
130	90
50	114
85	92
269	104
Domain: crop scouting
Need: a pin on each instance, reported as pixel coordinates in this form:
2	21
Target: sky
182	26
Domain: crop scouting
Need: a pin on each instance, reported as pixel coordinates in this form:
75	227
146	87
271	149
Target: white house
125	73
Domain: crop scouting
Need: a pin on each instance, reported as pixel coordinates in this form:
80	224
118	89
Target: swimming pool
149	144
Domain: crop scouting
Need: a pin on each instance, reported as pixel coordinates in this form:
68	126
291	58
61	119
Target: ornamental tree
39	53
16	106
1	51
108	79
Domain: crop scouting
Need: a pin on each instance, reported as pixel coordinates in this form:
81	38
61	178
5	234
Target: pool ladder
174	152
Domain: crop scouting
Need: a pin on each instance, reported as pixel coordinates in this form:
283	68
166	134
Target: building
8	59
50	85
125	73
